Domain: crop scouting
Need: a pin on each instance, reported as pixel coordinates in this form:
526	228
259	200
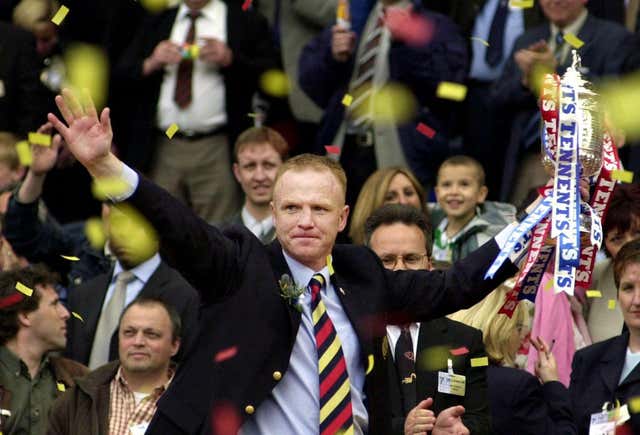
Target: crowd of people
295	223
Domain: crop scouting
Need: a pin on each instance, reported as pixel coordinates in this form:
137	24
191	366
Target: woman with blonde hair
393	185
518	400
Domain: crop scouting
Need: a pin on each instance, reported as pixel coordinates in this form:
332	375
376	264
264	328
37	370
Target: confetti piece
194	51
332	149
451	91
10	300
594	294
521	4
105	188
459	351
612	304
77	316
132	233
225	354
225	419
482	41
392	104
347	100
70	257
60	15
548	285
24	153
480	362
252	115
369	364
634	404
155	6
61	386
426	130
433	358
40	139
173	129
573	40
94	230
275	83
246	5
620	98
87	68
622	175
23	289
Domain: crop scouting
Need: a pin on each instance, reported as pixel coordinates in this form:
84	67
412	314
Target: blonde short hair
372	196
498	334
317	163
8	154
30	12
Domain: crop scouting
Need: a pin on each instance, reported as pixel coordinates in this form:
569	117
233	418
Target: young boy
462	219
11	172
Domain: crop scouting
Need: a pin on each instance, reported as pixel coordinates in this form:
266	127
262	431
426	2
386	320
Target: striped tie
336	414
360	88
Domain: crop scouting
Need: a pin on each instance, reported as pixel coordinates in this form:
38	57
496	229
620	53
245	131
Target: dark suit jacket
595	374
605	49
253	53
520	404
237	279
88	298
22	105
452	334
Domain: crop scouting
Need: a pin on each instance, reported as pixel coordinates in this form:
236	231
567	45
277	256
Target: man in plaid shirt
120	397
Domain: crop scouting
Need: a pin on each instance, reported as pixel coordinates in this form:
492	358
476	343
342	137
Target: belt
361	139
196	135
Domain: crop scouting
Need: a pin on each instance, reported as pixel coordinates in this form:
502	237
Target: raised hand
449	422
546	367
44	158
420	419
87	136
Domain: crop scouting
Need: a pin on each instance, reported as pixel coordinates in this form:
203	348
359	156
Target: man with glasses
401	236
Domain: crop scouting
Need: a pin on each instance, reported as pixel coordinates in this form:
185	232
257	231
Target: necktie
108	321
336	413
360	88
406	367
557	53
631	15
182	95
493	55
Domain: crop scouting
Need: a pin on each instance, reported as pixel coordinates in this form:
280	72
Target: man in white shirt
259	152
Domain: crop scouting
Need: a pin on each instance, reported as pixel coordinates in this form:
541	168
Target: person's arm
29	104
201	253
59	418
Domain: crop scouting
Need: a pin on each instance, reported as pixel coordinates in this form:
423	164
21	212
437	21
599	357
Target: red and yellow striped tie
336	413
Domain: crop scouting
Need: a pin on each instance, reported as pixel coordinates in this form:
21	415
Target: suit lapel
157	279
280	267
612	362
431	334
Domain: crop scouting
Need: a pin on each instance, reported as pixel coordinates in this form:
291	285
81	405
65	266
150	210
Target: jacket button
249	409
277	375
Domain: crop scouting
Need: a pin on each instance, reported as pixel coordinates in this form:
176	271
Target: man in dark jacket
120	397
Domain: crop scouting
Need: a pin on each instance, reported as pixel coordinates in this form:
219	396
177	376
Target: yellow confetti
275	83
87	68
612	304
105	188
391	104
594	294
370	364
40	139
634	404
480	362
347	100
70	257
94	230
521	4
482	41
433	358
23	289
173	129
24	153
330	265
155	6
573	40
451	91
622	175
548	285
77	316
60	15
131	234
194	51
61	386
620	98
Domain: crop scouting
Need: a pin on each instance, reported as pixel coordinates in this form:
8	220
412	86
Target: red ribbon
10	300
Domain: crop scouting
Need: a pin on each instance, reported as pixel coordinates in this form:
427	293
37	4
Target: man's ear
23	320
344	216
176	346
236	172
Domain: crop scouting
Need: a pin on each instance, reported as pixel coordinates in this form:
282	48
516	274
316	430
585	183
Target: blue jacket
420	68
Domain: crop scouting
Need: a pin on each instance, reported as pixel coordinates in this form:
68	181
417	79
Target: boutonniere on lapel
290	291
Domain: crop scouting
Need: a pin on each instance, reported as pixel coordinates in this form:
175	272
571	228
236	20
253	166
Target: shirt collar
252	223
574	27
142	271
303	274
208	11
15	365
122	382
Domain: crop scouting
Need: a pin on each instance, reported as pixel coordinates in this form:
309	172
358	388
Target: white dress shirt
207	109
393	334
